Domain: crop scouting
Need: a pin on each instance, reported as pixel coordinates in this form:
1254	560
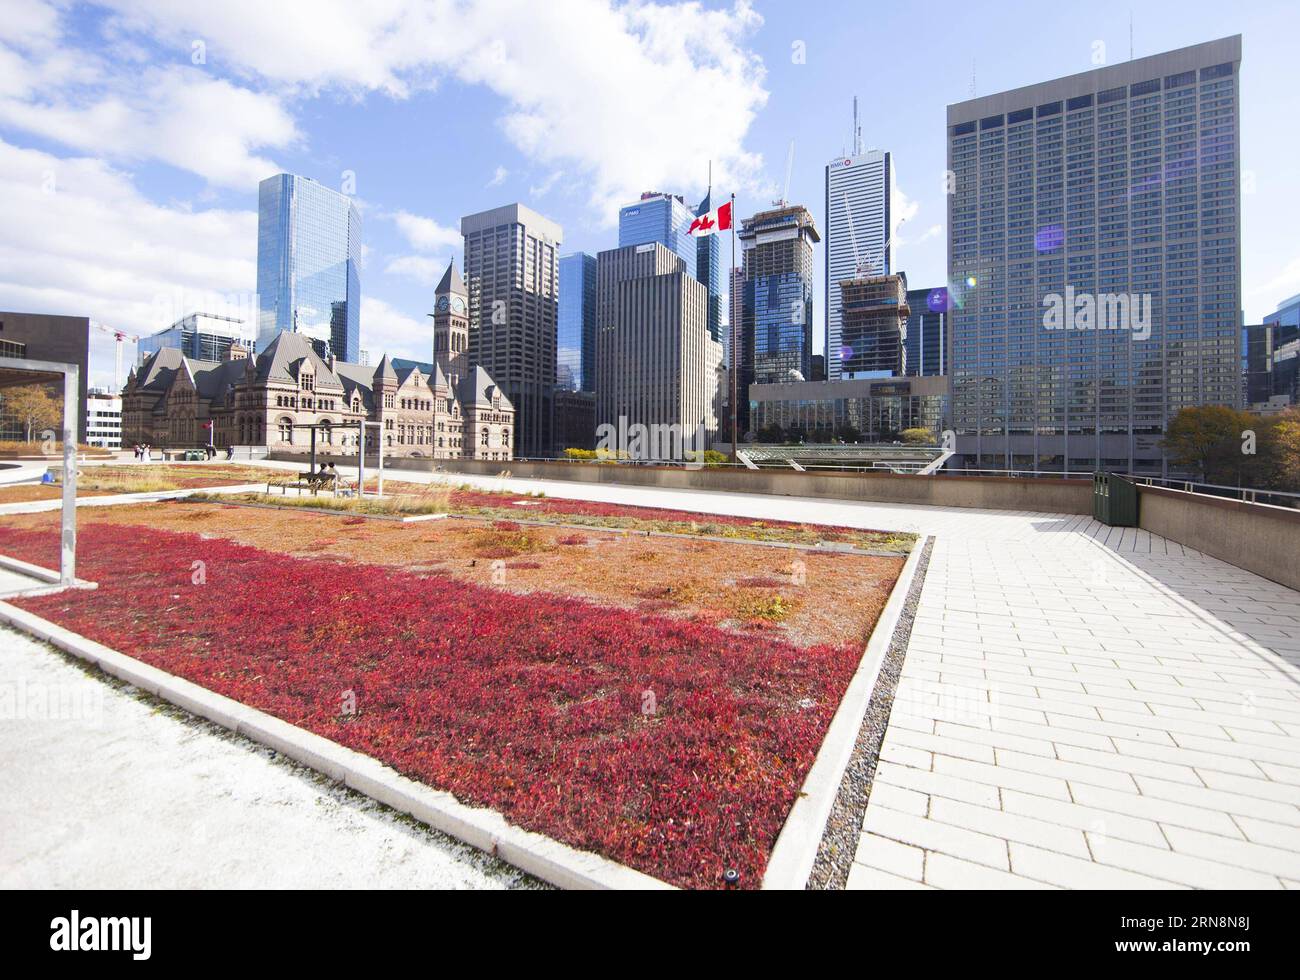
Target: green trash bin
1114	500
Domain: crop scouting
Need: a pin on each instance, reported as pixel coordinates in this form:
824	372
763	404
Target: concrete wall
1257	537
992	493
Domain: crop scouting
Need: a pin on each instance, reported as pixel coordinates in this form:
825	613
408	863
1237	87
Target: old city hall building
453	411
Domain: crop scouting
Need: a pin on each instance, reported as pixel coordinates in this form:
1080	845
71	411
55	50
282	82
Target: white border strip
547	859
795	851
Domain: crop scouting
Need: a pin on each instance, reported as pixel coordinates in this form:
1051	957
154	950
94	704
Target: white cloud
127	110
421	268
78	239
498	177
544	186
611	93
387	330
425	234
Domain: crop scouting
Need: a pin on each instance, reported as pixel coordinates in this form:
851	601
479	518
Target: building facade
873	326
267	400
662	218
926	342
1094	254
575	358
202	336
49	337
858	224
308	251
656	363
512	272
852	411
708	270
1273	359
103	419
777	299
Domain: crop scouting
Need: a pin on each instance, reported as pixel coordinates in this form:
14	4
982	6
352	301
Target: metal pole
735	331
381	464
68	553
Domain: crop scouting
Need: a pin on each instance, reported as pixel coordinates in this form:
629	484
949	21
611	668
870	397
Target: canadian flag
719	219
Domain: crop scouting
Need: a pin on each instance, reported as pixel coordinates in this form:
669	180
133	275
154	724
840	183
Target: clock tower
451	326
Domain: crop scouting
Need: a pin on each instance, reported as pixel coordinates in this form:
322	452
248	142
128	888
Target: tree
1286	441
34	407
1225	445
918	437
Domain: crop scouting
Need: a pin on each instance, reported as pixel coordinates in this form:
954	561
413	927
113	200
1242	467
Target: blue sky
133	132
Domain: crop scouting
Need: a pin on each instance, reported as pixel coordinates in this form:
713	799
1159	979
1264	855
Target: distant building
103	418
267	400
575	358
656	363
818	367
662	218
776	330
927	334
575	419
48	337
202	336
512	273
1273	359
859	190
708	269
873	323
308	251
861	410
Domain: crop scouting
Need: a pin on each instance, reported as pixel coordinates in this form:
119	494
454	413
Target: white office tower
859	188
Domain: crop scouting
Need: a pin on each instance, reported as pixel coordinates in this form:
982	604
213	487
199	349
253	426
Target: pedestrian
230	452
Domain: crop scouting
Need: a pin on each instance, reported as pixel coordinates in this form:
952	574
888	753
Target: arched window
483	441
286	429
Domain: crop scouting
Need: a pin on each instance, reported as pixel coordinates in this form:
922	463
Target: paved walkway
103	790
1080	706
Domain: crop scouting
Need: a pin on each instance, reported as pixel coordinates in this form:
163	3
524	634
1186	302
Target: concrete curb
795	851
487	830
119	499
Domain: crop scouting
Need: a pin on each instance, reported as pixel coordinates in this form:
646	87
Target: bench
315	482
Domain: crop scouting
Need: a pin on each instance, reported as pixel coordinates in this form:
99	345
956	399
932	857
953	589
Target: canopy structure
361	426
17	372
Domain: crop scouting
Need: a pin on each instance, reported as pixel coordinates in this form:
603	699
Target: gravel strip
844	827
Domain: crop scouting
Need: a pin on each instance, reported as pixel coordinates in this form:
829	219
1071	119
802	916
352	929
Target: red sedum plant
674	747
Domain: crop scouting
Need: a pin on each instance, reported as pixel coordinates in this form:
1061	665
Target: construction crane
120	336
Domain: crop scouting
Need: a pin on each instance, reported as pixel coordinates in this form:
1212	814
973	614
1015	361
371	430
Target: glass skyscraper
708	256
202	336
1094	261
662	218
308	248
575	355
927	337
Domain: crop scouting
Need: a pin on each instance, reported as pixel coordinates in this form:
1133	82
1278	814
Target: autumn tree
1225	445
34	407
918	437
1286	441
